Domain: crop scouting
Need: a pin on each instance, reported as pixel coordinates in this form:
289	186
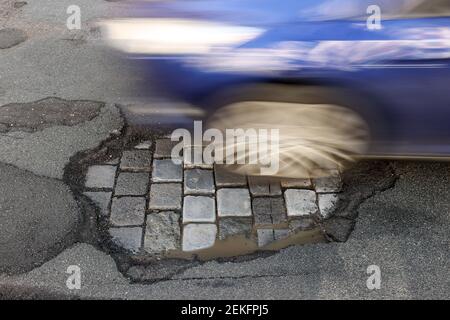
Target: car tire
320	129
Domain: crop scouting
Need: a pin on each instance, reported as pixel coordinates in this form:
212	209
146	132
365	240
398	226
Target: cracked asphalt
402	209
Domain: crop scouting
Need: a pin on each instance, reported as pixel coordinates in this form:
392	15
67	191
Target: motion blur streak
242	62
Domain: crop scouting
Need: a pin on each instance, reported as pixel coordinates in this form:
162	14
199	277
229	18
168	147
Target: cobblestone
165	196
225	178
100	176
296	183
261	186
234	203
167	171
300	202
132	183
193	158
136	160
199	209
199	236
268	211
327	204
162	232
229	227
127	211
198	181
164	148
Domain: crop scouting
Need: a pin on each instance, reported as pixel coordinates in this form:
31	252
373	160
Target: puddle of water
240	245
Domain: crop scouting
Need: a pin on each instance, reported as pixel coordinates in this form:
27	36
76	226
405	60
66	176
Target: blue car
339	79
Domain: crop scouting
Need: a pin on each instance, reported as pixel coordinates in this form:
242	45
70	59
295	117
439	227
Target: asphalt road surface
403	228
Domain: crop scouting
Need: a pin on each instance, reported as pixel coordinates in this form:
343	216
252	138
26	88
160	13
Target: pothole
157	218
45	113
151	208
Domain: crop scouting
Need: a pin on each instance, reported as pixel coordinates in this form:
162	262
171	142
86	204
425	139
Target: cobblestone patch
198	181
165	196
230	227
225	178
261	186
127	211
131	184
155	206
136	160
163	148
300	202
167	171
234	203
199	236
162	232
199	209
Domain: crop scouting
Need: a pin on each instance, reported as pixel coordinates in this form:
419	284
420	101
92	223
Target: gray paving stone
234	203
132	183
261	186
127	238
199	209
164	148
198	236
99	176
162	232
167	171
136	160
165	196
198	181
329	184
262	212
101	199
265	237
193	158
327	204
229	227
144	145
301	224
296	183
279	214
280	234
300	202
225	178
127	211
268	211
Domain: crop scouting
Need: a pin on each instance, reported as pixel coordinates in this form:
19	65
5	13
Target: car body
402	69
